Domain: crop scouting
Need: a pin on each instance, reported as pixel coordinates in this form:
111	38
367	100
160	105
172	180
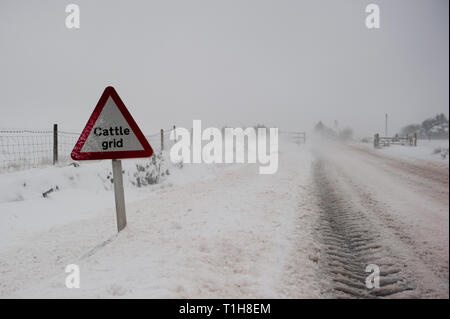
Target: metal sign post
119	194
112	133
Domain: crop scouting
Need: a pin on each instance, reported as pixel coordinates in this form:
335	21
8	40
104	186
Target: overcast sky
236	62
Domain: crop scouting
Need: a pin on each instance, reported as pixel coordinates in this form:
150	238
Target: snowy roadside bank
426	150
229	232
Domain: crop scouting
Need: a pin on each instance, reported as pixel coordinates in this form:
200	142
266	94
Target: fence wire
23	149
66	142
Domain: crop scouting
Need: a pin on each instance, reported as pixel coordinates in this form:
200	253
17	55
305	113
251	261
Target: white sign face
111	132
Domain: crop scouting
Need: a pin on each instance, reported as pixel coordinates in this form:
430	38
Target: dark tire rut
350	244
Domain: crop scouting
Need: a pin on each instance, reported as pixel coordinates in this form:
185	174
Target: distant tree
324	130
439	119
319	127
435	127
410	130
428	124
346	134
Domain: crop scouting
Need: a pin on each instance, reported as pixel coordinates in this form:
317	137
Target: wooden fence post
162	140
55	144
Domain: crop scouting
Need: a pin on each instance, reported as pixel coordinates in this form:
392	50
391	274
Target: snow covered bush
149	171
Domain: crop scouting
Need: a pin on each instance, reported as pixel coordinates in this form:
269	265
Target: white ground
428	150
205	232
214	231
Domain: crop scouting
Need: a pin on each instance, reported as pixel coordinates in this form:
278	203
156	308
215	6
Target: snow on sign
111	132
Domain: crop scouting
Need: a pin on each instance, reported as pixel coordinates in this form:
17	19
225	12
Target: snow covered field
226	231
206	231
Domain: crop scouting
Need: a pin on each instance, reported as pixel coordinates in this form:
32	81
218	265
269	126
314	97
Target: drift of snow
205	231
428	150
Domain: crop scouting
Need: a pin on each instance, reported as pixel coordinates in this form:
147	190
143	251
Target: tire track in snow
350	244
427	260
437	264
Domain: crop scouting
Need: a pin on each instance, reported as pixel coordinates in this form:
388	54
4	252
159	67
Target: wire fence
23	149
66	142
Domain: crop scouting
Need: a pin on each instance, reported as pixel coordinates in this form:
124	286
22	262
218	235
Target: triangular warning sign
111	132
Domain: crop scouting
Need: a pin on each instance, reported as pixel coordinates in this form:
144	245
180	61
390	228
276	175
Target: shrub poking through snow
95	176
149	171
442	151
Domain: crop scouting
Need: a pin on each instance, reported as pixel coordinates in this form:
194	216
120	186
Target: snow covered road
375	209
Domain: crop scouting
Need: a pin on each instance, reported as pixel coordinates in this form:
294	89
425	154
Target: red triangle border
80	156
